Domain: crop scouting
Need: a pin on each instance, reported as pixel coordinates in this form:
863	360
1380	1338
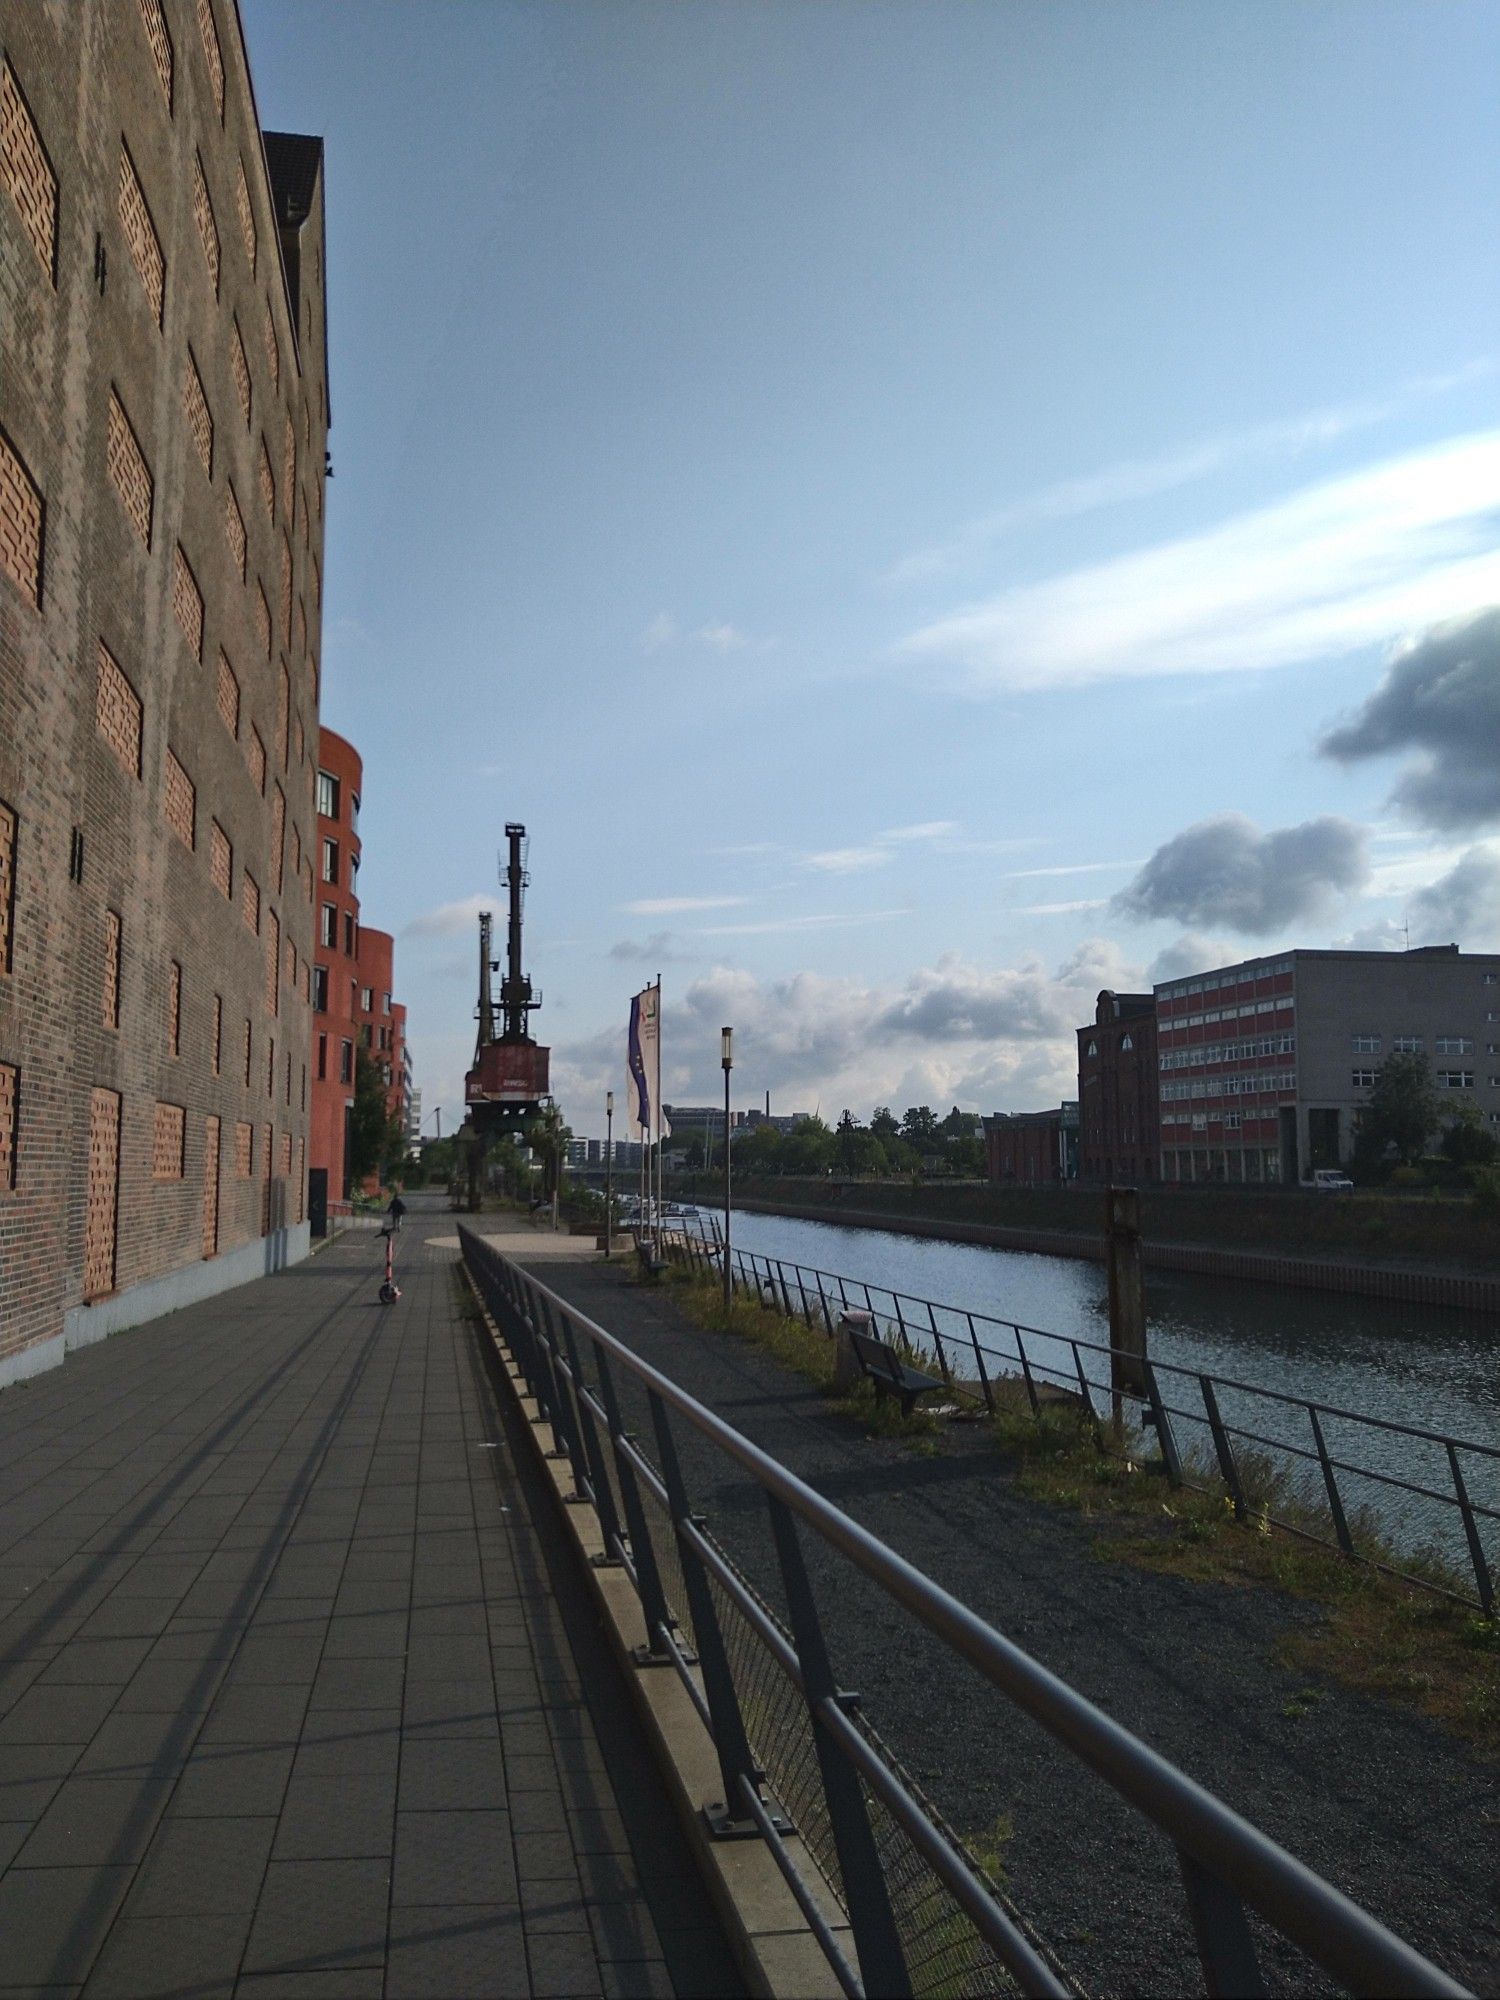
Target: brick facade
129	579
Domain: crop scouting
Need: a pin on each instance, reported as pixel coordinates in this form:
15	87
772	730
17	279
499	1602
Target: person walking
396	1210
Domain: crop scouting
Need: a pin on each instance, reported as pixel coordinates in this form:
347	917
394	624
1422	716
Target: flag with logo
643	1112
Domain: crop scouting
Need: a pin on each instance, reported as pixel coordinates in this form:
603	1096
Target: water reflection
1409	1364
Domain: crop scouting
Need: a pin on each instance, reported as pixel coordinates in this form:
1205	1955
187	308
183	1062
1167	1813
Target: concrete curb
771	1940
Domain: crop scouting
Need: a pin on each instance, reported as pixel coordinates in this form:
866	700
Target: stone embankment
1423	1253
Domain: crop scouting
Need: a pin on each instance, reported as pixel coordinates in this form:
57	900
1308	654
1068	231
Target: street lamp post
609	1169
726	1056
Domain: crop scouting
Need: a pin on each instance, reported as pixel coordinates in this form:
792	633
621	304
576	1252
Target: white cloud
1348	562
664	630
671	906
1139	479
448	919
1225	871
1066	868
832	921
1058	909
1463	906
846	860
926	829
953	1032
658	949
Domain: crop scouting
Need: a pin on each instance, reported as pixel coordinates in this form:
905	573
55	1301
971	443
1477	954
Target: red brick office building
163	423
1032	1148
1118	1101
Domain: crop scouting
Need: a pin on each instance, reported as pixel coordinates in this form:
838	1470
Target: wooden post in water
1127	1296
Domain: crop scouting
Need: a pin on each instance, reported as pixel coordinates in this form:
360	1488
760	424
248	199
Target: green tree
809	1147
368	1121
884	1125
1403	1109
1465	1141
759	1151
919	1128
548	1138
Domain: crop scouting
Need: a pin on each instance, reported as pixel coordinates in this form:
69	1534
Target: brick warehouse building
1118	1106
163	420
353	977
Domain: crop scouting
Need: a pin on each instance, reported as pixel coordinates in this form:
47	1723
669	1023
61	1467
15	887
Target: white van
1331	1180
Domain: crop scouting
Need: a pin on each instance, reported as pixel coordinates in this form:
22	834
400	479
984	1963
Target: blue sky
899	499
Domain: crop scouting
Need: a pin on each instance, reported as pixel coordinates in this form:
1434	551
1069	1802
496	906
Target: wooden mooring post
1127	1296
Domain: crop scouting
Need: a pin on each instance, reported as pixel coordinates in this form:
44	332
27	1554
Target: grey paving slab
290	1699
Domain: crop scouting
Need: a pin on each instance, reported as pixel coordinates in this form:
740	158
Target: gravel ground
1388	1807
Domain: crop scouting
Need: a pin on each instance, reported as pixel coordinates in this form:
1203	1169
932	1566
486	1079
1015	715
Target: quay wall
939	1212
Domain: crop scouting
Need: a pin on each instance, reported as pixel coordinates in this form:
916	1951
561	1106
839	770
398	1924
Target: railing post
877	1941
937	1341
600	1490
565	1441
1228	1470
984	1376
1031	1395
1087	1395
654	1607
1171	1458
823	1303
730	1741
1335	1503
1226	1950
1471	1531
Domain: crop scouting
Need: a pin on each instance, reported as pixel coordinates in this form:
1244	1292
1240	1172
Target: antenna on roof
1406	928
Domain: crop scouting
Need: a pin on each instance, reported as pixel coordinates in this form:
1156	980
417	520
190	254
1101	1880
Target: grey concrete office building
1265	1066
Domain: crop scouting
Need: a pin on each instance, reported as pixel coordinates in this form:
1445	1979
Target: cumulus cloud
953	1032
1348	562
1188	955
1463	906
448	919
1440	704
846	860
1225	871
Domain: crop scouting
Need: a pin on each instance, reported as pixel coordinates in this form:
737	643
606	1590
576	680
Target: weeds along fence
1413	1502
796	1751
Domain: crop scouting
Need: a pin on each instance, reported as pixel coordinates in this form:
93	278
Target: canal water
1407	1364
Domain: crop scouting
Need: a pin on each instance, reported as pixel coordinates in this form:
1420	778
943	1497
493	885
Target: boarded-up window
212	55
101	1194
21	516
141	237
286	1147
278	836
273	962
180	802
255	757
210	1186
229	695
267	481
7	885
246	210
244	1143
10	1116
273	350
27	172
250	901
155	25
247	1051
117	712
286	594
263	620
167	1143
109	1011
283	718
289	472
240	368
208	228
216	1052
174	1009
220	860
187	602
129	470
199	417
234	530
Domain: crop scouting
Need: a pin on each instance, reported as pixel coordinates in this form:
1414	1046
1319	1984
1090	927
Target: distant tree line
916	1145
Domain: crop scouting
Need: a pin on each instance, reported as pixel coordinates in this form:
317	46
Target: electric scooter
390	1291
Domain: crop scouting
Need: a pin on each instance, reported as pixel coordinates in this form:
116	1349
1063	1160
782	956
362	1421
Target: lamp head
726	1047
609	1104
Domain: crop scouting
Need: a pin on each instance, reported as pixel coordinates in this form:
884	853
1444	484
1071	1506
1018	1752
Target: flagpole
658	1114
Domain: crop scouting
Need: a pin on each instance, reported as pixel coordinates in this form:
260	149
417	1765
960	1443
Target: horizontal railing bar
1334	1932
1173	1367
764	1627
818	1924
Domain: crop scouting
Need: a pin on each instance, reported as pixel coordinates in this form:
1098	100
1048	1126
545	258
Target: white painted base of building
83	1325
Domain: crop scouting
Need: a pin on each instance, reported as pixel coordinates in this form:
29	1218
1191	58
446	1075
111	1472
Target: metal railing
979	1353
923	1917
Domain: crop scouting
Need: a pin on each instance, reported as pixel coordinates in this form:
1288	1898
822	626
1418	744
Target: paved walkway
298	1692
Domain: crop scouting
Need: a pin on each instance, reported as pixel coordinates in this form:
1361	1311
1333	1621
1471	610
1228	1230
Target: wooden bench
651	1265
892	1376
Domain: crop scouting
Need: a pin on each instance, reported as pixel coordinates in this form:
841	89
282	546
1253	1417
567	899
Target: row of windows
1250	1011
1209	1053
168	1138
1412	1045
1256	1082
1212	982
